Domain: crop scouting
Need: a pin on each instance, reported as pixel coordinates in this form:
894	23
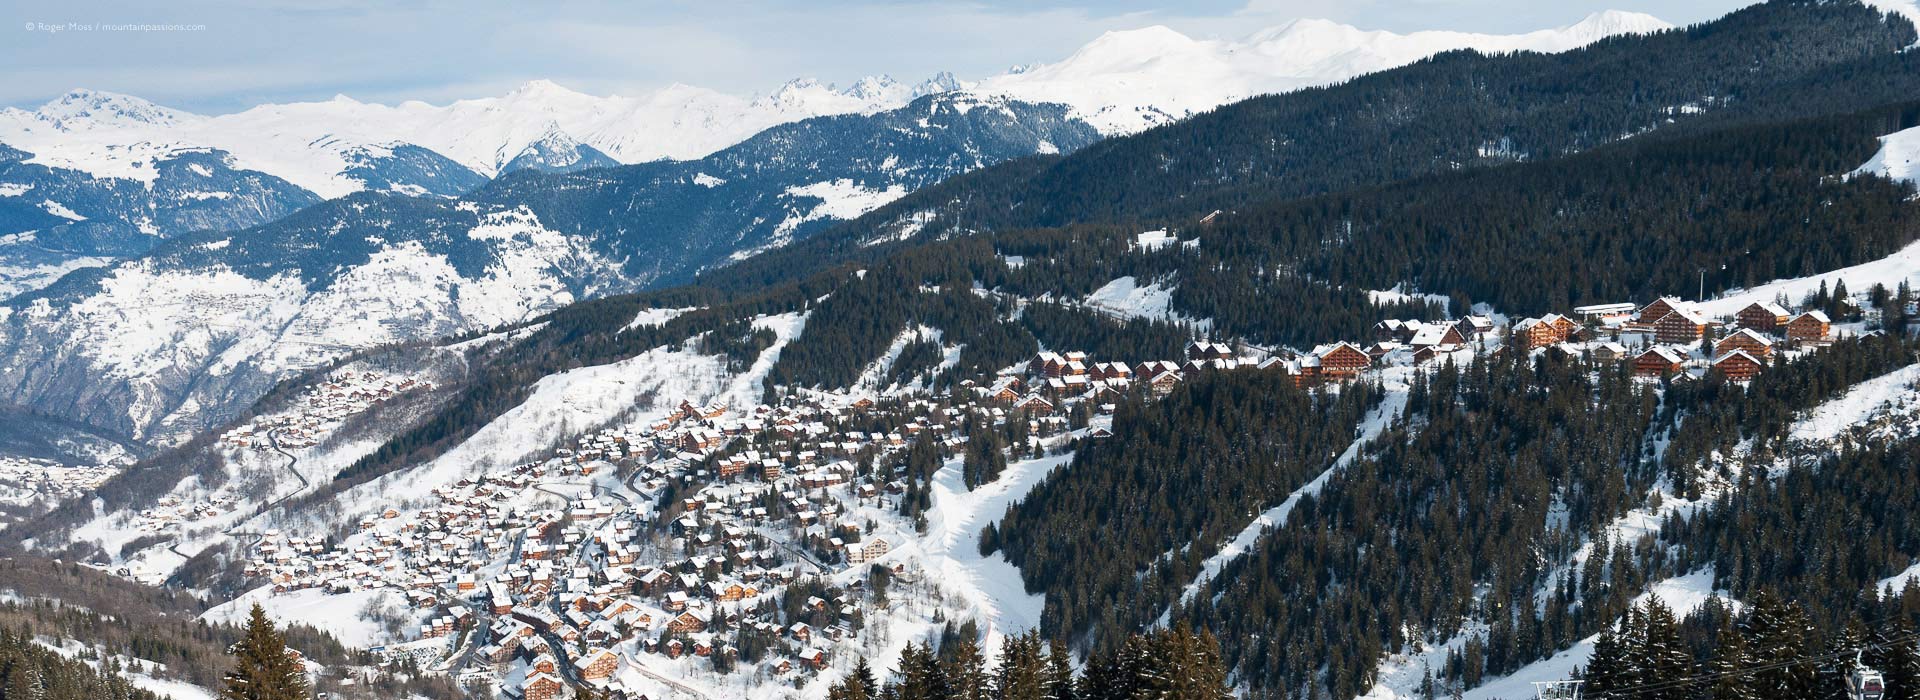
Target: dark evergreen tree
1731	680
263	670
1776	638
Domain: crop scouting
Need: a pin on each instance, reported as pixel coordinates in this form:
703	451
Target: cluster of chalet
766	495
319	411
1423	341
170	511
40	481
1055	381
1670	333
553	578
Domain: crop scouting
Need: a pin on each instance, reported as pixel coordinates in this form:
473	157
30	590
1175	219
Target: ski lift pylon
1557	690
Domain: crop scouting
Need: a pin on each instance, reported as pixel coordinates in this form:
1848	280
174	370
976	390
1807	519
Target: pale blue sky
436	50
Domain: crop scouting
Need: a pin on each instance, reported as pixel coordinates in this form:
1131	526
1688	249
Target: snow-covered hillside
215	333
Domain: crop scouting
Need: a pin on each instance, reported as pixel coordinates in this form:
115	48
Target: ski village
720	547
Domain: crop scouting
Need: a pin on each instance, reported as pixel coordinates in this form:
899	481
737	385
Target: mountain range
296	292
1121	82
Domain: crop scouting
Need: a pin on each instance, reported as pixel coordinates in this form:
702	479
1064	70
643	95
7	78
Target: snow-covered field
337	614
1830	419
1396	296
952	544
837	199
1126	298
1902	266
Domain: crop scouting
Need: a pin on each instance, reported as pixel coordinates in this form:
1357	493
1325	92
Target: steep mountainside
168	344
54	220
398	269
1223	279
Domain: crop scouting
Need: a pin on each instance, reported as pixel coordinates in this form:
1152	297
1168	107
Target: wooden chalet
1035	403
1738	366
1203	350
1809	327
599	664
1438	334
1652	313
542	685
1746	340
1658	361
1681	326
1341	360
1763	316
1536	333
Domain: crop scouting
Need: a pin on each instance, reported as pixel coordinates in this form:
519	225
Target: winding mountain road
273	440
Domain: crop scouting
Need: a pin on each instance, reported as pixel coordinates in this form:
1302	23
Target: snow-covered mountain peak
811	97
1127	48
1606	23
880	87
85	110
939	83
1122	81
551	96
1128	80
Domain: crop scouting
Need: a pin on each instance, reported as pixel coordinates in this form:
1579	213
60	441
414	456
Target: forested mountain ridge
1769	62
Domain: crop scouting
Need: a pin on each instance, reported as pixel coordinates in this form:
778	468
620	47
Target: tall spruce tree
965	669
1059	680
1729	664
1777	637
921	677
262	669
1022	671
1664	658
1900	658
1605	673
859	685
